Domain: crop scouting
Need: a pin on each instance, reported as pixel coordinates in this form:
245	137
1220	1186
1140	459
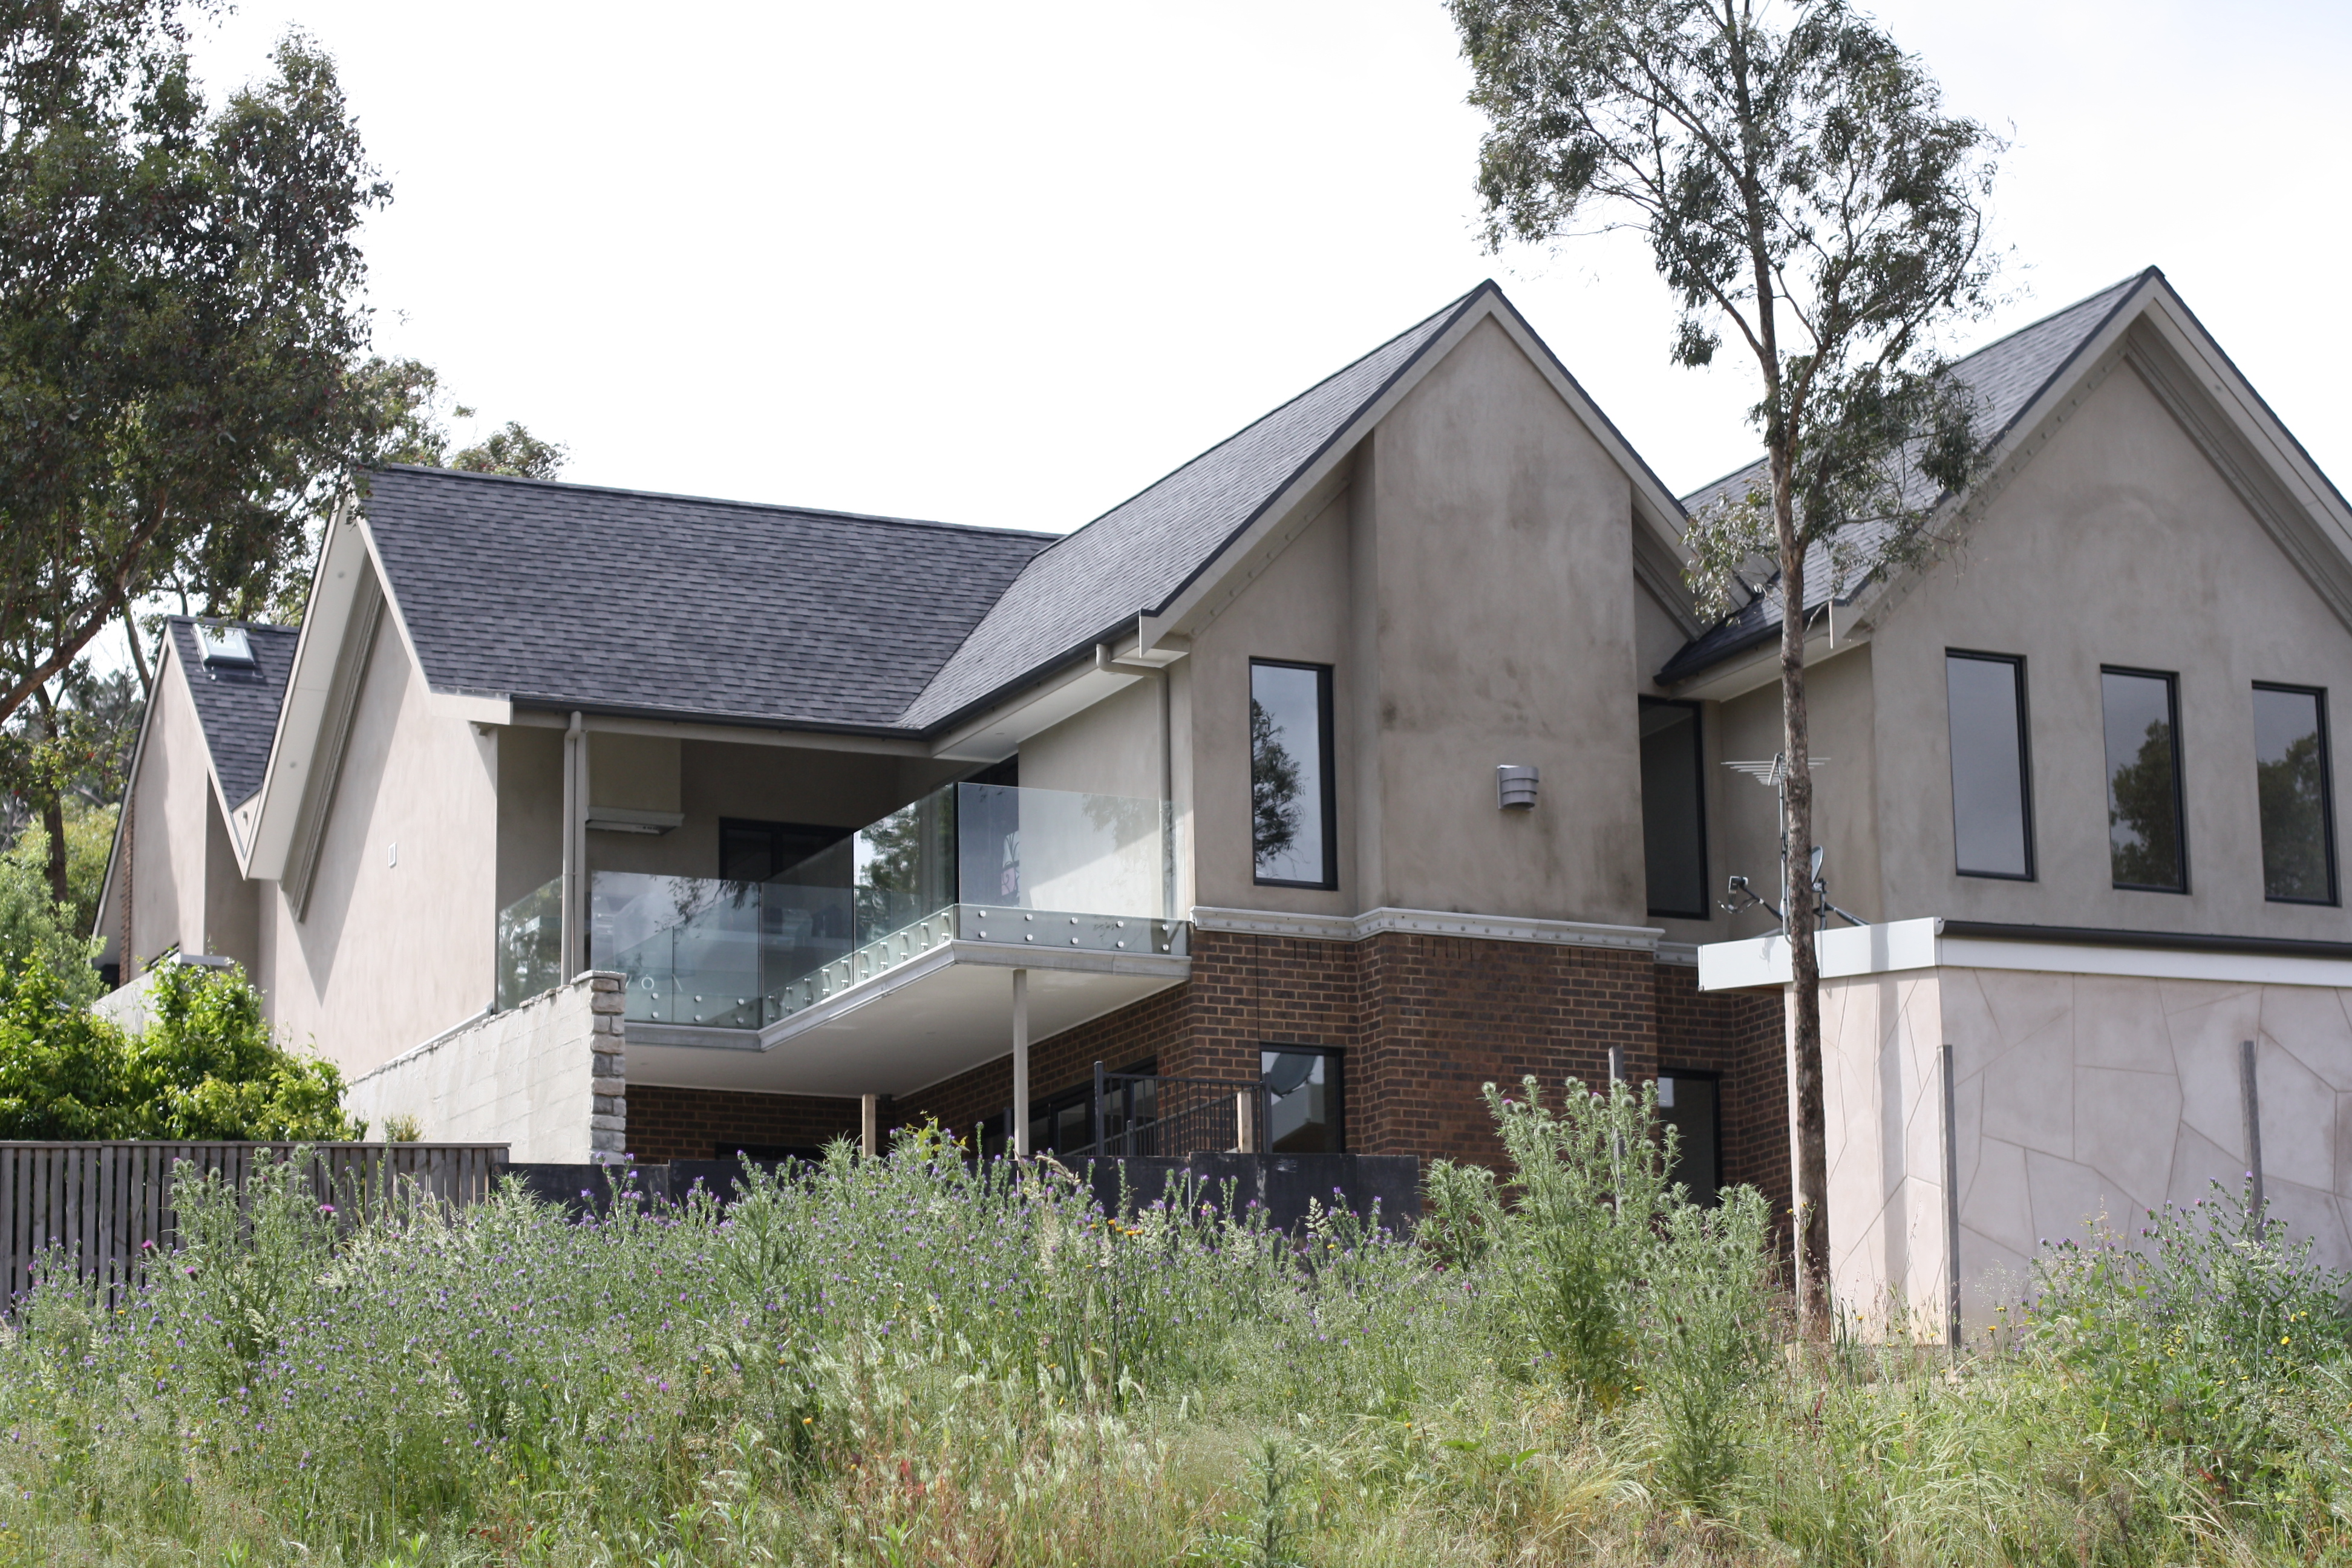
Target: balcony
910	924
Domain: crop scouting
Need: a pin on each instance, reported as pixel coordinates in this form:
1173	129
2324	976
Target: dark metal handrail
1145	1115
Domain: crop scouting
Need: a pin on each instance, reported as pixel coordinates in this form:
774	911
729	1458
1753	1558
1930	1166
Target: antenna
1738	896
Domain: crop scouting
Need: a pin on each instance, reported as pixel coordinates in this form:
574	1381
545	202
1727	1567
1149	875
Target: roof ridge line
1450	307
468	475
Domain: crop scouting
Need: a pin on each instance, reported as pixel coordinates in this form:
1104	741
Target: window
2145	841
1673	810
1292	813
1993	793
1689	1103
756	851
2291	780
1302	1100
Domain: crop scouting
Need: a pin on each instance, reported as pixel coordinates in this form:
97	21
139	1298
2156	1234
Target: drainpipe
575	858
1167	795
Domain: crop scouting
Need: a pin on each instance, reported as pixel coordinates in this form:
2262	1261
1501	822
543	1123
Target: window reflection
2292	784
1290	785
1985	697
1302	1096
2144	832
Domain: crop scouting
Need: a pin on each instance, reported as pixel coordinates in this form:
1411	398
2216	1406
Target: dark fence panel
101	1206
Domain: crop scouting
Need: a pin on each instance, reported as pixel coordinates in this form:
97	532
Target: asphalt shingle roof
623	600
237	709
2007	375
1140	554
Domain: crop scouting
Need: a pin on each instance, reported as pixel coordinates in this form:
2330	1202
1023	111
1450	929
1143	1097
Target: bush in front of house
205	1067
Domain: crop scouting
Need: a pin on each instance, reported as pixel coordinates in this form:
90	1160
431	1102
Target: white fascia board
1919	944
345	560
998	733
475	708
1760	666
1322	479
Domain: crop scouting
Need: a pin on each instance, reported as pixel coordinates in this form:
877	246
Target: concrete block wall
548	1078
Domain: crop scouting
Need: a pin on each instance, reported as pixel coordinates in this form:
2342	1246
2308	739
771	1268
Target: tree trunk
1811	1130
53	806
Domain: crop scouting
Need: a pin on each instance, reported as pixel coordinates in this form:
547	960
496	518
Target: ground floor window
1689	1103
1302	1100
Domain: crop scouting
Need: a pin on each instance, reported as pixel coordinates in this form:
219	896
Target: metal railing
1151	1114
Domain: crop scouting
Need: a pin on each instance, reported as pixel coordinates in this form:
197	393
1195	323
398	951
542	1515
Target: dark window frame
1698	764
2016	661
1329	805
1719	1078
1335	1086
2171	679
2318	695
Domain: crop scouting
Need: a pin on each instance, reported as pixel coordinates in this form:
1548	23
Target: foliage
2144	815
204	1066
514	451
2294	804
2196	1332
919	1359
179	303
37	933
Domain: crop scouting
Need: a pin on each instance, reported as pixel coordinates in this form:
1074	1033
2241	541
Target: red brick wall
711	1123
1738	1035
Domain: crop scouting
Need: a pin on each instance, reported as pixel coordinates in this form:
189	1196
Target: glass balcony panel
1063	851
689	946
530	944
905	866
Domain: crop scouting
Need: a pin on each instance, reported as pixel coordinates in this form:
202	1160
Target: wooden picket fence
96	1207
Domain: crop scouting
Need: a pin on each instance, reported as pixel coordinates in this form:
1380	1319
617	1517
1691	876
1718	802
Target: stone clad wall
546	1078
2079	1098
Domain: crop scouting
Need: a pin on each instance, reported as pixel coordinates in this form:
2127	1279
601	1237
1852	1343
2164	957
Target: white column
1021	1150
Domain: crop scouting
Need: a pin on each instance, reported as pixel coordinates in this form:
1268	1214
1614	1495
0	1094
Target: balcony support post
575	852
1021	1150
869	1124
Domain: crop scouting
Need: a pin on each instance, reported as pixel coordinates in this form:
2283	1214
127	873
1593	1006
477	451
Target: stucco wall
395	944
2120	545
545	1078
2079	1097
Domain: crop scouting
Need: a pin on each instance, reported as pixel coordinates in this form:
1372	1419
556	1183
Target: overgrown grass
909	1361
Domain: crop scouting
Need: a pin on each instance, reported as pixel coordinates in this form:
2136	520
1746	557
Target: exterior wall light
1515	787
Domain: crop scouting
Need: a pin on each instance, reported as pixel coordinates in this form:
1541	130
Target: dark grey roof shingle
2006	375
1141	554
618	599
237	709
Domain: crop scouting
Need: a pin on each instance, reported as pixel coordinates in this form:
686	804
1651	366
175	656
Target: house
1374	754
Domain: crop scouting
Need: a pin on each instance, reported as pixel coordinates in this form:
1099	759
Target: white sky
1007	263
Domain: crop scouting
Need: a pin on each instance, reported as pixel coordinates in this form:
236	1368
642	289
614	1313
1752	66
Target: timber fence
106	1210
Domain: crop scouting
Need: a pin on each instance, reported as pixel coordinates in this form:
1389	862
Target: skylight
225	647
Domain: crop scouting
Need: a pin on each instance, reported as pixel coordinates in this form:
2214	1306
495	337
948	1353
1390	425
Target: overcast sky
1008	264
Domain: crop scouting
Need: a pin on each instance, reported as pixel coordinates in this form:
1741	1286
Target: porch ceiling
927	1020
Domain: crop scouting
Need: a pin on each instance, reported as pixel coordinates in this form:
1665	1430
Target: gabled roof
1138	555
236	708
579	595
2008	377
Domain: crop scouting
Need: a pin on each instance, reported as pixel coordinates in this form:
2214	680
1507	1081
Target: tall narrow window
2292	782
1674	815
2144	840
1992	791
1292	811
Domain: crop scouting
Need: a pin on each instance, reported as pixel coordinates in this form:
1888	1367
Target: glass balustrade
530	944
971	862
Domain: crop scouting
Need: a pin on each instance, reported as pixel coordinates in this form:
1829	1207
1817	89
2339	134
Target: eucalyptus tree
180	312
1805	196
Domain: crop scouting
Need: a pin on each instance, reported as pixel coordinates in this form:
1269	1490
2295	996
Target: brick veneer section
1425	1022
711	1123
1738	1035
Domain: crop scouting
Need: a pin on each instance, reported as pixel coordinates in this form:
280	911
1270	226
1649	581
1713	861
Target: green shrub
61	1067
1705	1323
37	931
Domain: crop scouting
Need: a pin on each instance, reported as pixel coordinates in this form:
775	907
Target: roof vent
1515	787
224	647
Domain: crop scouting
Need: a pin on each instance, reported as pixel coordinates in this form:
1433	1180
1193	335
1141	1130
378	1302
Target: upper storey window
1291	809
2292	782
2145	842
1993	793
1674	813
